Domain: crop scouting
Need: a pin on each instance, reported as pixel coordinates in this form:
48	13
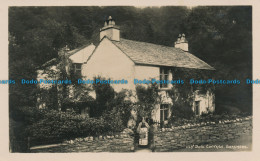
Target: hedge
57	126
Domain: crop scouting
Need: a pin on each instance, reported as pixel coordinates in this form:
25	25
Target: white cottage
117	58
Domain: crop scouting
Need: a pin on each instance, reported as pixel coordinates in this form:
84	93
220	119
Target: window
164	111
77	68
164	76
197	107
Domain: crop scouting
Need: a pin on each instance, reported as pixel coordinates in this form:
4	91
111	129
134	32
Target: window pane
165	71
164	111
161	115
78	66
163	106
164	75
165	114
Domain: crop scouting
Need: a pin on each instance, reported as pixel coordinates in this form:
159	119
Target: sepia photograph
130	79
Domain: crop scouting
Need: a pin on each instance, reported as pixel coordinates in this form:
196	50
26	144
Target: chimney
110	30
182	43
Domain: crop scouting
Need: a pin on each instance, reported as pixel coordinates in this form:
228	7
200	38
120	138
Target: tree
218	35
104	95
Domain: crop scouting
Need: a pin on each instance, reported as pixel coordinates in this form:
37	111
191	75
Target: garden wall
165	139
122	142
168	139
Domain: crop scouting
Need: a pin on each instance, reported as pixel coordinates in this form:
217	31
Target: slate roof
48	63
76	55
144	53
159	55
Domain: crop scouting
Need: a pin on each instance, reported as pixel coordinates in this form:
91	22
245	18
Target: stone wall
168	139
165	139
124	142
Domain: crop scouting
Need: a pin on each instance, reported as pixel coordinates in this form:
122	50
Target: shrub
111	112
27	115
57	126
119	109
182	111
148	96
104	95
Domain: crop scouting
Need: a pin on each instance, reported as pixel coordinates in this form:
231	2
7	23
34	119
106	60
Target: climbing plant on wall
182	95
148	97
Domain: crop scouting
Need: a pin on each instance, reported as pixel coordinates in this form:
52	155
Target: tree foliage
147	99
219	35
182	95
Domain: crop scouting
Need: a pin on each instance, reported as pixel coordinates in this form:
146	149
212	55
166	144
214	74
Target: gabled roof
78	55
143	53
81	55
71	52
159	55
48	63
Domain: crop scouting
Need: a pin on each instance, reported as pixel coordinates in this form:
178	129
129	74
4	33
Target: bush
182	111
148	97
119	109
57	126
111	112
27	115
20	118
104	95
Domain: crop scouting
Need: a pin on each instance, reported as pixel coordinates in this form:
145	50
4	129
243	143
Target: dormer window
164	76
77	68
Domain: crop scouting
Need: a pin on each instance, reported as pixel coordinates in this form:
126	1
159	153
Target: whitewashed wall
82	55
109	62
146	72
149	73
206	102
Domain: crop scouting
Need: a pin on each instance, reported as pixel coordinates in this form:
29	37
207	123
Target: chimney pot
113	22
181	43
110	30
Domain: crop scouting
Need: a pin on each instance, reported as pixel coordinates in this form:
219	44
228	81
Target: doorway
197	108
